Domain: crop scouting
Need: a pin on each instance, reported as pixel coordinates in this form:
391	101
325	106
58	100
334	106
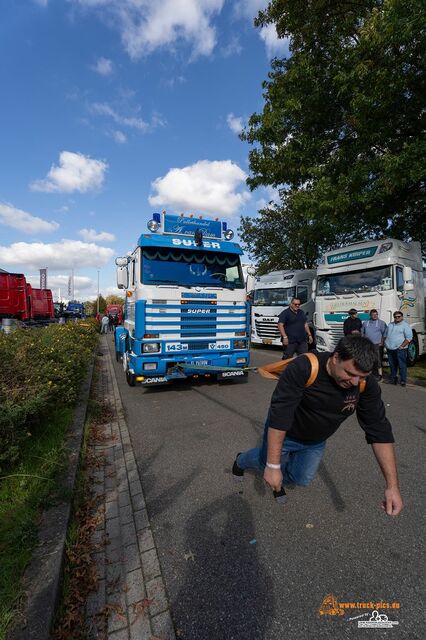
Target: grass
419	369
25	490
417	372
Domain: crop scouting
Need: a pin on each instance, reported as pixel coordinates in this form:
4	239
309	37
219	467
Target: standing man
352	325
294	330
375	329
104	323
301	418
397	338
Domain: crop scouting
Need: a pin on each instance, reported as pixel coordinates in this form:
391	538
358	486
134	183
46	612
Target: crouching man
301	418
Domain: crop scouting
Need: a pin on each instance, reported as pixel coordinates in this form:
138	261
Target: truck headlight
241	360
151	347
320	340
240	344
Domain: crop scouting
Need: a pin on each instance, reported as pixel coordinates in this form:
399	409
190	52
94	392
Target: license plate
220	345
227	375
202	363
173	347
266	341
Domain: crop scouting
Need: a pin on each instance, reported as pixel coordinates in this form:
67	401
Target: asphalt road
236	565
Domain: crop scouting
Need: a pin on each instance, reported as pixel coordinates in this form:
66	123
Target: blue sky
114	109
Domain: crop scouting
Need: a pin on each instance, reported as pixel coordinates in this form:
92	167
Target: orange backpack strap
362	386
314	368
274	370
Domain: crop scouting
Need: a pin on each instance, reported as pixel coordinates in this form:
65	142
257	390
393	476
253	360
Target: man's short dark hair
296	298
373	311
359	349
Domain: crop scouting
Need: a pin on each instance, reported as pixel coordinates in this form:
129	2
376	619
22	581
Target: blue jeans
299	460
398	360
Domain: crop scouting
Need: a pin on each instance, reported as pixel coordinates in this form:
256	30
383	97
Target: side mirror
122	277
314	289
251	270
122	261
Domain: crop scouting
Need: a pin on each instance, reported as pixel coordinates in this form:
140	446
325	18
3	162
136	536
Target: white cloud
10	216
119	137
90	235
206	186
104	109
269	194
76	172
67	254
103	66
274	46
250	8
145	25
41	3
64	209
235	123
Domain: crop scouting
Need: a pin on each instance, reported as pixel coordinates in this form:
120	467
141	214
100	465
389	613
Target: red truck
116	311
19	300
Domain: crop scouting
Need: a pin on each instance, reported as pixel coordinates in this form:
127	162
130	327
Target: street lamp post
97	306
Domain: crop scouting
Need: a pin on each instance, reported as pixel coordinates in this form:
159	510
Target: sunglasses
398	315
296	304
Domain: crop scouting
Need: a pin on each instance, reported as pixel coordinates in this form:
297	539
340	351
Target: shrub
40	369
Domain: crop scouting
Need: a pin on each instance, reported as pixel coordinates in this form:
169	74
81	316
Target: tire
130	379
413	351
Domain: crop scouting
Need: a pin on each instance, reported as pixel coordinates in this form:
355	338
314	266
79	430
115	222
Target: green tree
342	129
114	299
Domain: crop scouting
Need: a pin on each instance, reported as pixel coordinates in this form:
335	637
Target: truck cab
273	293
186	313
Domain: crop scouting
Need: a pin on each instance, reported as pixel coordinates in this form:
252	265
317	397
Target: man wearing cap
352	325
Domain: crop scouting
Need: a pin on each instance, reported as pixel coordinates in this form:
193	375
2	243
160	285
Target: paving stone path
130	592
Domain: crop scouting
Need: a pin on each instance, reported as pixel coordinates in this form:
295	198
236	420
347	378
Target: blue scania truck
186	312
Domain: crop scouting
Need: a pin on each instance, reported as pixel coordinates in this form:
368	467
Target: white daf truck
386	275
272	294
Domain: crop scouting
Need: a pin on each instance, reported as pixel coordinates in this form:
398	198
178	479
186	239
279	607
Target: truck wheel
130	379
413	351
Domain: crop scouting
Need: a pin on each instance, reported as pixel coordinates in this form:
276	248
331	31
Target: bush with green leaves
40	369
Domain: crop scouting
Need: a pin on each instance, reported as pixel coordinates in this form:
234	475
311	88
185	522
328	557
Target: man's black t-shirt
294	324
350	325
313	414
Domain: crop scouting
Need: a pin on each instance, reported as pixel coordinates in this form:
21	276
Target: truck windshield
191	268
274	297
376	279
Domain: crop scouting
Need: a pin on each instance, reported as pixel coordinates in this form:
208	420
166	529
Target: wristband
273	466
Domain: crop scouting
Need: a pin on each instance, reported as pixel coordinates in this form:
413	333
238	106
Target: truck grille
336	332
195	319
267	330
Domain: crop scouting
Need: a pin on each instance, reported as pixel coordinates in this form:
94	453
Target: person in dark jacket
301	418
352	325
